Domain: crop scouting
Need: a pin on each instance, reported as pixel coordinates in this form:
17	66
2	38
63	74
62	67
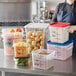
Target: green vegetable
22	60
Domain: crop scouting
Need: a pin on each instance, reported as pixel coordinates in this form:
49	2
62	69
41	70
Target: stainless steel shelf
6	1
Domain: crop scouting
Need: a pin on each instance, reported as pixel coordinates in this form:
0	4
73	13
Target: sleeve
54	18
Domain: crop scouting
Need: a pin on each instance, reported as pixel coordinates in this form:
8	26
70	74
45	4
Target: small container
20	48
59	32
62	51
8	43
42	59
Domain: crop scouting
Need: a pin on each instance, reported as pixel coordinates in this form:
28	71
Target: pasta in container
36	36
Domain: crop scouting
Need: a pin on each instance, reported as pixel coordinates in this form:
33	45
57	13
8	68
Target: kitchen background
20	13
13	11
51	4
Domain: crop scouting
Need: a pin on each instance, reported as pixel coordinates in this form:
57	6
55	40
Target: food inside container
21	52
17	35
35	40
36	36
20	48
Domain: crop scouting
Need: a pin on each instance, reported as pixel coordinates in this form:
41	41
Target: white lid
37	25
42	52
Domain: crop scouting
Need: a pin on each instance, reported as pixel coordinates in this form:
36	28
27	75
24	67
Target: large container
62	51
36	35
42	59
59	32
8	43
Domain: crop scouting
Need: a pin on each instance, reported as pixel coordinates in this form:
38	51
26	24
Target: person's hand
71	29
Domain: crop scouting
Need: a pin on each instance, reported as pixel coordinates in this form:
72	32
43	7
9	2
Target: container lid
61	44
43	52
37	25
7	35
59	24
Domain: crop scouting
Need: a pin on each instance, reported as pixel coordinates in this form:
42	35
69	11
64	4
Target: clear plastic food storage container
20	48
36	35
59	32
8	43
42	59
20	52
62	51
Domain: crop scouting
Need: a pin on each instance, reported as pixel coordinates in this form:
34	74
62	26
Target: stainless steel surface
63	68
15	0
42	11
15	12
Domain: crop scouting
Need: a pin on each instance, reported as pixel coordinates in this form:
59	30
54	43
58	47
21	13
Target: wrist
74	28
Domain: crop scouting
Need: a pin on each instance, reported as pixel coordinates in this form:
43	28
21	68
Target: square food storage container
36	35
21	55
42	59
20	48
59	32
62	51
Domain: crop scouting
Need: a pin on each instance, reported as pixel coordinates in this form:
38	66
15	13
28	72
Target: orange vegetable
11	30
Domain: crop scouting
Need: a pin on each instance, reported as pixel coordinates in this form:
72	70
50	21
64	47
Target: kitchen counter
60	68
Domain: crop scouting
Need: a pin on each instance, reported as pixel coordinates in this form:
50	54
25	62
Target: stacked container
62	51
59	40
42	59
36	36
59	32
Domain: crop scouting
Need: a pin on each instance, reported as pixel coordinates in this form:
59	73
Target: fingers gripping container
42	59
62	51
59	32
8	43
36	35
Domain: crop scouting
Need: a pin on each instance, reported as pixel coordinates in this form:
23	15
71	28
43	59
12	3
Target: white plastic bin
59	32
62	51
42	59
